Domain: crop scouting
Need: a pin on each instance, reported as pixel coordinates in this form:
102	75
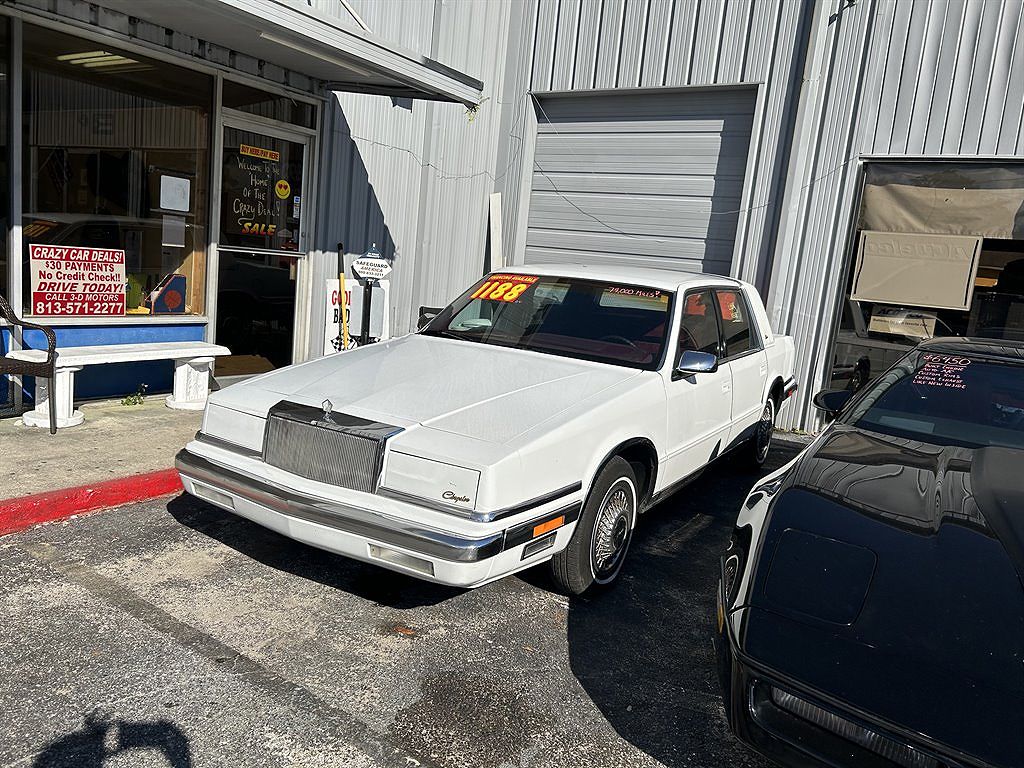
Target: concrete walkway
115	441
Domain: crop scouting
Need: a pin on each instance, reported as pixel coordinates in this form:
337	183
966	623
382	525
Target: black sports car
871	602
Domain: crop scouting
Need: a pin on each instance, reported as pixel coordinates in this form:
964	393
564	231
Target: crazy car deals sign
77	281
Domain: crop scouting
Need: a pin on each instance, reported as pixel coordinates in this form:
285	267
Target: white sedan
533	419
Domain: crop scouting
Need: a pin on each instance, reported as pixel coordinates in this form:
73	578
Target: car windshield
946	399
567	316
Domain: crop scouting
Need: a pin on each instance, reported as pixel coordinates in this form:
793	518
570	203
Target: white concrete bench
192	361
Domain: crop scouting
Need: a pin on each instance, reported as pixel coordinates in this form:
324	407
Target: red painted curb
19	514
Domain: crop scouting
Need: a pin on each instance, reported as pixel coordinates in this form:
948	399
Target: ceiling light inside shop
104	60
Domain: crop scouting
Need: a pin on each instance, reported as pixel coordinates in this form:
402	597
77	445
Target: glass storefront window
261	204
939	252
116	158
6	390
254	101
5	131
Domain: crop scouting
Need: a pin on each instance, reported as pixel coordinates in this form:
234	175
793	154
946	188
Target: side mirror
691	362
426	315
832	401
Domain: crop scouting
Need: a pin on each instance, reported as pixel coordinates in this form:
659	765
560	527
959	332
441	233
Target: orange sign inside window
260	152
504	287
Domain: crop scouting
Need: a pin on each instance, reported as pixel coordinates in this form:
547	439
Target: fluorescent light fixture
115	62
103	59
83	55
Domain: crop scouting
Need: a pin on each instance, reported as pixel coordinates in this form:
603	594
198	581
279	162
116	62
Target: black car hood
890	577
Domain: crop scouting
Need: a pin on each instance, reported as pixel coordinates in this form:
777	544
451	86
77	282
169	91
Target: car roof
666	279
1005	349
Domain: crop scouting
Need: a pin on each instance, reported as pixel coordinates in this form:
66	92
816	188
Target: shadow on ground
643	650
101	741
370	582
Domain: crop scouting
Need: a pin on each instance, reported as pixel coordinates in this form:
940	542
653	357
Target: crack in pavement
387	752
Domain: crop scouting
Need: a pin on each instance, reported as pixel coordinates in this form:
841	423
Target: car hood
891	578
475	390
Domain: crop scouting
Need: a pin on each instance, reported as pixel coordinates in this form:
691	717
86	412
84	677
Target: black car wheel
764	431
599	544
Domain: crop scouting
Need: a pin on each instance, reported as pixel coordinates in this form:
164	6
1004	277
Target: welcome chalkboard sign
261	189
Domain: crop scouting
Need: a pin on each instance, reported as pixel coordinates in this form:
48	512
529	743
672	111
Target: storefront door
261	246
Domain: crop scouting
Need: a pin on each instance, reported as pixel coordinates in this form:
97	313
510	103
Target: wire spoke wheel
611	532
765	431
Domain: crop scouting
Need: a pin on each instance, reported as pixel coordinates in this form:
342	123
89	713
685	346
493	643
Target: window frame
752	329
682	309
755	334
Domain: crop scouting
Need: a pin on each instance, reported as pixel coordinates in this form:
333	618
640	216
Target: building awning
304	40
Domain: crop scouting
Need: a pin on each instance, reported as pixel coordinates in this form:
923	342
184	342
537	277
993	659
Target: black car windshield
567	316
946	399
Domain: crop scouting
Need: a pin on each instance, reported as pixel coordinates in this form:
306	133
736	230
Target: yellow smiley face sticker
282	189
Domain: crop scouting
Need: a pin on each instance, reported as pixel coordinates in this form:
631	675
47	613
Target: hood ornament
328	407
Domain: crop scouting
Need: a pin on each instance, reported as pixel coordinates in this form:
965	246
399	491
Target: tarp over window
976	199
935	271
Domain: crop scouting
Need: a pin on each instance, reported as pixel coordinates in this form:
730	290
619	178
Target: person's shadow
100	739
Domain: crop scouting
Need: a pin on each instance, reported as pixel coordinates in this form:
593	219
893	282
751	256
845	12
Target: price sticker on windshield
504	287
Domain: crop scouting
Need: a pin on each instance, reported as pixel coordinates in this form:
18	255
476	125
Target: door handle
764	368
727	388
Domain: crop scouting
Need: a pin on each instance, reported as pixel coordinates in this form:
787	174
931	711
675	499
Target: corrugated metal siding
939	78
573	45
931	78
413	176
649	179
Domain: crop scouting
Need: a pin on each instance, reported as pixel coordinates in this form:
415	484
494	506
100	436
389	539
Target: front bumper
358	531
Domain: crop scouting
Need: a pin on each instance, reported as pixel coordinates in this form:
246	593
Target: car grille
335	448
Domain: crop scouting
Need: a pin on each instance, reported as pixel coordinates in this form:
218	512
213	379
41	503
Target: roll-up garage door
647	179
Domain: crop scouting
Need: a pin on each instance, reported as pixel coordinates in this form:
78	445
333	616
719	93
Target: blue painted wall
113	380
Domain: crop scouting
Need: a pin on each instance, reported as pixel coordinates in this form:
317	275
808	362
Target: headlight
447	485
242	429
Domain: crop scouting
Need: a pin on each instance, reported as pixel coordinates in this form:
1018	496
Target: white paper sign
174	193
379	312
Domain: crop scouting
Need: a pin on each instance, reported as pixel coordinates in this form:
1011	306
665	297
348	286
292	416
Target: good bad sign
369	268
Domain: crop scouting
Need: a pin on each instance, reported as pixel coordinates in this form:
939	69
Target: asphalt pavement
171	633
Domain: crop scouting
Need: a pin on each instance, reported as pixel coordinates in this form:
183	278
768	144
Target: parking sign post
369	268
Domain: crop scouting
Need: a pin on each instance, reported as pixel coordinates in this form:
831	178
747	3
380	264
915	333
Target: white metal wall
414	176
649	178
575	45
887	78
900	78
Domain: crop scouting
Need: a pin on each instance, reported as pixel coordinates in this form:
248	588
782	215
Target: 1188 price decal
504	287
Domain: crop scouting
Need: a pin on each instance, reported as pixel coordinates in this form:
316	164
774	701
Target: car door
699	405
744	356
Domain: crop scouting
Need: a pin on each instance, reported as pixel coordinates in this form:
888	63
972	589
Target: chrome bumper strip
227	445
479	517
342	517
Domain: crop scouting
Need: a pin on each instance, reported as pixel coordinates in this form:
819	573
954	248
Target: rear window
947	400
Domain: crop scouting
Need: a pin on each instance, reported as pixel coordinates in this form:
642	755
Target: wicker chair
46	370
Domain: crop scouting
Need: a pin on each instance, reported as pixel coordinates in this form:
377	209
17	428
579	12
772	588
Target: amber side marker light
550	525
